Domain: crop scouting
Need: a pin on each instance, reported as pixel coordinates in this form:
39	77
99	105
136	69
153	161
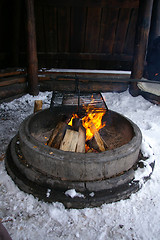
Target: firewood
60	136
81	140
76	122
69	141
97	137
38	105
58	132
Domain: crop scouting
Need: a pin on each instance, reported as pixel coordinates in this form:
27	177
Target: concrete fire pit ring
36	167
75	166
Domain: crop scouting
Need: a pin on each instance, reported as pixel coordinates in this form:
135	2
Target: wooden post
16	33
32	68
141	40
155	22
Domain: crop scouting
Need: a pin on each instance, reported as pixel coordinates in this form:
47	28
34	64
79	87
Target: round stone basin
36	167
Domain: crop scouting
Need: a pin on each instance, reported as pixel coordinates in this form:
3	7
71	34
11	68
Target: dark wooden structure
81	34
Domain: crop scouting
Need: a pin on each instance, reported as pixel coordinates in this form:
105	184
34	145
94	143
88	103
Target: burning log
57	134
97	137
81	132
70	140
77	126
81	140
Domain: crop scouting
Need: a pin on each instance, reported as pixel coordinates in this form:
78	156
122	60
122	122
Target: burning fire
93	117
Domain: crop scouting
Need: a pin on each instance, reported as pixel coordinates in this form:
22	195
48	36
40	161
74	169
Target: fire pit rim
137	138
75	166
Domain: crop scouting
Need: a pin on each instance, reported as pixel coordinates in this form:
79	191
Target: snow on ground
136	218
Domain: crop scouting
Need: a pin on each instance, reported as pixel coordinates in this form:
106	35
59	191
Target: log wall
13	82
81	34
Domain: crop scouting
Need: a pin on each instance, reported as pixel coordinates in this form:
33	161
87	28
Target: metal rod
78	92
104	101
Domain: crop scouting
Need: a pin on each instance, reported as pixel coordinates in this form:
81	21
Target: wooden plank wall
5	26
86	34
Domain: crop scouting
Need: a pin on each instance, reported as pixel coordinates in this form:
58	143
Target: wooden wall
5	26
86	34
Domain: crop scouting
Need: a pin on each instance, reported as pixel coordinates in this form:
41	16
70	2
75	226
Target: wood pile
73	138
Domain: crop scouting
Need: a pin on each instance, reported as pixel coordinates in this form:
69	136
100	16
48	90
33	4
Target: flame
73	116
93	116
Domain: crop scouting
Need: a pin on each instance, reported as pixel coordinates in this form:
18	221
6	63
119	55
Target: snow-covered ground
136	218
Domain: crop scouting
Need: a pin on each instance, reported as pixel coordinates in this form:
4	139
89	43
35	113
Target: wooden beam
155	23
12	90
92	3
141	41
84	56
85	86
11	72
16	32
12	80
32	50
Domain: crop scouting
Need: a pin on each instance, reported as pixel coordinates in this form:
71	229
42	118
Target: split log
81	140
57	134
70	140
38	105
77	126
60	136
97	137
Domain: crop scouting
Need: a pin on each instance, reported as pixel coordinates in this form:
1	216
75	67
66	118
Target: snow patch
72	193
25	217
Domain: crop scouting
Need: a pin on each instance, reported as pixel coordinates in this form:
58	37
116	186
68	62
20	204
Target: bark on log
58	129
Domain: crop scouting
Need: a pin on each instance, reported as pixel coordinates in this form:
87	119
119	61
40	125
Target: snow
85	71
25	217
72	193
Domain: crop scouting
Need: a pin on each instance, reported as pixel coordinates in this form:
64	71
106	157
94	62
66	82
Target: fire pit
97	177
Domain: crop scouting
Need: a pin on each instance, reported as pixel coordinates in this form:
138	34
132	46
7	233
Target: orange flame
73	116
94	116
